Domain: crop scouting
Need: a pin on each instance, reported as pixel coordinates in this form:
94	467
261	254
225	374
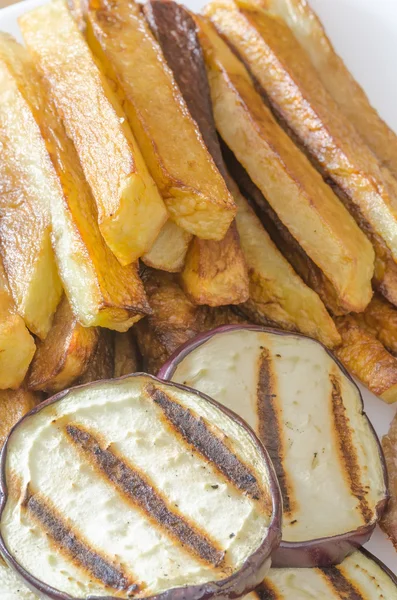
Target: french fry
215	272
64	355
366	358
130	209
126	354
195	194
290	84
101	365
335	76
100	291
14	404
304	204
175	319
26	190
278	296
17	346
168	252
380	319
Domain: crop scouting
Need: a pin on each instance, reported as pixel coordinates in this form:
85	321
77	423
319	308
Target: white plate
365	34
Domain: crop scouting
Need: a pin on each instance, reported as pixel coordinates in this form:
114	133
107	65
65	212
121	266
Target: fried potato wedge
278	296
195	194
100	290
380	318
101	365
64	355
367	358
290	84
14	404
17	346
175	319
215	272
26	190
169	251
130	209
353	101
389	519
126	354
306	206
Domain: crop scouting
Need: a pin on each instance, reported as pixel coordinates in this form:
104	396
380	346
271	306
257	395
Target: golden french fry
14	404
168	252
126	354
101	365
304	204
130	209
194	191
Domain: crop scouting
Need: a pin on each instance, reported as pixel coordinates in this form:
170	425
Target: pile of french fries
125	230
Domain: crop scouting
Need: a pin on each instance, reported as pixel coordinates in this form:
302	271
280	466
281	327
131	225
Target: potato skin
14	404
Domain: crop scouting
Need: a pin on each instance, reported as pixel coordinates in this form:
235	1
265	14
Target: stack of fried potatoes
127	226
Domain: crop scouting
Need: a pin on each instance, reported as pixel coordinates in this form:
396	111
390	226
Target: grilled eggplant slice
361	576
14	404
130	209
296	192
389	519
308	412
65	353
128	500
11	587
335	76
17	346
215	273
26	191
366	358
194	191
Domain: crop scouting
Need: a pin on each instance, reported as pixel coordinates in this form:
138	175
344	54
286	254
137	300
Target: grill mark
347	448
342	586
195	432
71	544
269	429
266	591
142	493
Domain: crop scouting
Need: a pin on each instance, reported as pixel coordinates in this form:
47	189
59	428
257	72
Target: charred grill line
78	550
195	432
142	494
342	586
266	592
269	429
346	445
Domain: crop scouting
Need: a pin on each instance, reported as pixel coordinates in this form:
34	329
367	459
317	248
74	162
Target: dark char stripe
347	449
70	543
269	427
134	486
196	433
342	586
266	591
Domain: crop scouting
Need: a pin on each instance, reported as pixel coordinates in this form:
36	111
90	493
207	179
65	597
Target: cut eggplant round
360	576
11	587
137	488
309	414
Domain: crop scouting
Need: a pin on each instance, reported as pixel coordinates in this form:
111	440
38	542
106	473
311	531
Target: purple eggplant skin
321	552
249	576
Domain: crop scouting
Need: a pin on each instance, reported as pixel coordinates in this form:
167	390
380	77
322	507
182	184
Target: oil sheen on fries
130	209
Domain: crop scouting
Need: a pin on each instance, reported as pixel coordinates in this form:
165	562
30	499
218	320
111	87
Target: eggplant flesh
359	577
136	487
309	414
11	588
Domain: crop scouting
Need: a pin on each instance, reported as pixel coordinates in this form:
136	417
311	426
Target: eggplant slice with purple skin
11	587
309	414
361	576
137	488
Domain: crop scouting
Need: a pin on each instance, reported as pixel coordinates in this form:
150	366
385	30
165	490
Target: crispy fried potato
389	519
335	76
215	272
175	319
126	354
290	84
130	209
99	289
278	296
168	252
194	192
366	358
14	404
26	190
65	353
306	206
380	318
101	365
17	346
